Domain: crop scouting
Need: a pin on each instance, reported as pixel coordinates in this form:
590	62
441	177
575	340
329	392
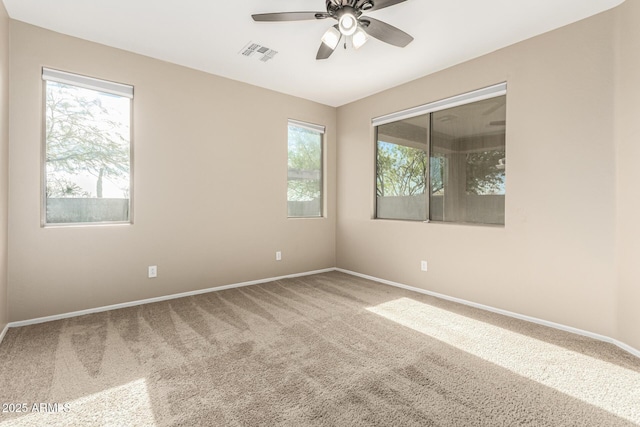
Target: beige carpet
328	349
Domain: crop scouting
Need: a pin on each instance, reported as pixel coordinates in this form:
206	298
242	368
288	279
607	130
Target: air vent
255	50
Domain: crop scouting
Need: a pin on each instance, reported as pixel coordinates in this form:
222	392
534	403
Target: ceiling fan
351	23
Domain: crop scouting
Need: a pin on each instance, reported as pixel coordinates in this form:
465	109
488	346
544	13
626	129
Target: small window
304	177
444	161
87	153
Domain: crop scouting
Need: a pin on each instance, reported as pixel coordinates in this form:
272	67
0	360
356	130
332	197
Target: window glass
401	178
468	147
465	172
304	177
87	155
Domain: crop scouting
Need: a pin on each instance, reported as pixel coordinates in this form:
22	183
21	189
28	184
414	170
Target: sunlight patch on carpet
109	407
605	385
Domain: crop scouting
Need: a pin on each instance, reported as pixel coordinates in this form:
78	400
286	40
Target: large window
304	189
87	153
444	161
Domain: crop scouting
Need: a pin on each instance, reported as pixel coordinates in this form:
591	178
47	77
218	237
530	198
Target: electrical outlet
278	256
423	265
153	271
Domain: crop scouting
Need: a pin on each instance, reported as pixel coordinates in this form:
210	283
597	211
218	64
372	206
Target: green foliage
402	170
62	188
483	174
84	136
305	164
438	170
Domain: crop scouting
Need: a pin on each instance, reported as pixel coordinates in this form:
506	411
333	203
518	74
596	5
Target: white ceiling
209	34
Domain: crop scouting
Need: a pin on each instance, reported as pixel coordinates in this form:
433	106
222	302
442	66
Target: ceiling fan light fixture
348	23
359	38
331	37
351	24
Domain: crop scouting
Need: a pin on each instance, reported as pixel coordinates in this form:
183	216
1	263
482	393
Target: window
444	161
304	178
87	153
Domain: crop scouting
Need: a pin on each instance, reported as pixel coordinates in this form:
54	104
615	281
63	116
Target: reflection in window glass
469	140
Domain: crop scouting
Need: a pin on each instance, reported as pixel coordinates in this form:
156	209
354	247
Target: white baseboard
156	299
554	325
625	347
4	332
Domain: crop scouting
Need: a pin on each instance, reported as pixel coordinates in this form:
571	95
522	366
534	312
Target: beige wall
628	155
210	178
554	258
4	160
566	254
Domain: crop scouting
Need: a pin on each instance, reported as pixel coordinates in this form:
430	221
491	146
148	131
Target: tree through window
87	149
447	164
304	186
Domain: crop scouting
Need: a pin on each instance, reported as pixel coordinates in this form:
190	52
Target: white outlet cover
153	271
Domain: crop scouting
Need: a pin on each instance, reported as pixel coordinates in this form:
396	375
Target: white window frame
100	85
488	92
321	130
454	101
